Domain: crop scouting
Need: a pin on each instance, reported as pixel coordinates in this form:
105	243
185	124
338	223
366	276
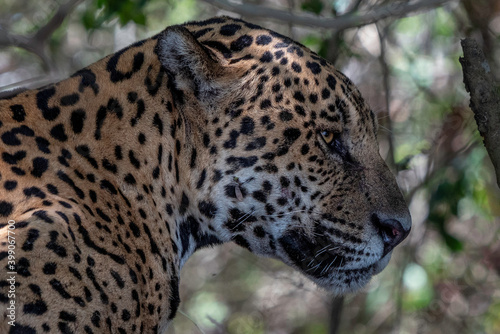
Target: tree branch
25	42
35	43
484	98
55	22
341	22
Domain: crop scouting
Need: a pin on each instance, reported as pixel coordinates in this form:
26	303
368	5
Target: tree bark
484	98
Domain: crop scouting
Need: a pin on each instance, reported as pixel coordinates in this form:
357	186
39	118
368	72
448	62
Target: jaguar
208	132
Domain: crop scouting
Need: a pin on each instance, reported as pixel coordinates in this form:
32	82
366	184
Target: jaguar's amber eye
327	136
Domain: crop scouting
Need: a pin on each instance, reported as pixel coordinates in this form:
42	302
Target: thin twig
191	319
350	20
386	121
336	308
20	86
291	5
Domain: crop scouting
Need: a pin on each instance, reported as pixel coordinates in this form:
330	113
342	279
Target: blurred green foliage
314	6
445	278
124	10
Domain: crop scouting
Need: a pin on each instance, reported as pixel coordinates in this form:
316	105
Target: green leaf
88	20
140	18
314	6
124	10
453	243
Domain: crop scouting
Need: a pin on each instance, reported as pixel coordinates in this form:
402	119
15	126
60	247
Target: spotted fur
206	133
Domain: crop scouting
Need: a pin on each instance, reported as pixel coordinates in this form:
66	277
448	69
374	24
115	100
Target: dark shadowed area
404	57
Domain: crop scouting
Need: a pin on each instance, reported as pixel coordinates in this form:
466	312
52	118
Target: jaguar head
291	152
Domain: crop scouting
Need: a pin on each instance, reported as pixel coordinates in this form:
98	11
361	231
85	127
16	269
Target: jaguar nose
391	231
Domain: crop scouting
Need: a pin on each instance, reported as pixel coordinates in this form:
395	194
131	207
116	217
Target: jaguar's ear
190	64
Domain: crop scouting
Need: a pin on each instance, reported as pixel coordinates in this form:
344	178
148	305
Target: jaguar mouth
330	266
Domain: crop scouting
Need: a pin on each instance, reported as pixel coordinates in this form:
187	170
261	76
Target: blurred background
404	56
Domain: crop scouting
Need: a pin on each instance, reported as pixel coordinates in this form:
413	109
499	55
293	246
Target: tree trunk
484	99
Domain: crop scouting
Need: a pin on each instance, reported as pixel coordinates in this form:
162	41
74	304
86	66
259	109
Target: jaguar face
294	151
